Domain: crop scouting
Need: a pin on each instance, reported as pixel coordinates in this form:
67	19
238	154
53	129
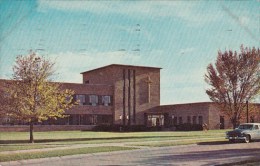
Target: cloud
183	87
126	7
69	65
187	11
183	95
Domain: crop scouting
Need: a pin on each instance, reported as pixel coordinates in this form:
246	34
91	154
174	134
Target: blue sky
182	37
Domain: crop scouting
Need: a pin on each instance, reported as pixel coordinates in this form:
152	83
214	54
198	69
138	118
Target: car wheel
247	139
231	140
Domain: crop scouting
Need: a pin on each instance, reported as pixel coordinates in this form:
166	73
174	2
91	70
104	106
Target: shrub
120	128
189	127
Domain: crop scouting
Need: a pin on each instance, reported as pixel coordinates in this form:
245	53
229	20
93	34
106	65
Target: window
87	82
180	120
200	120
93	100
252	119
155	120
106	100
245	126
188	119
174	120
81	99
194	120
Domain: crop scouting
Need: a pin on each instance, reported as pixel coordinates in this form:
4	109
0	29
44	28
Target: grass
10	141
14	147
183	142
102	137
13	141
59	153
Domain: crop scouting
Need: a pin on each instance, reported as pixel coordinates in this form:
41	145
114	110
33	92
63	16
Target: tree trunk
234	125
234	122
31	133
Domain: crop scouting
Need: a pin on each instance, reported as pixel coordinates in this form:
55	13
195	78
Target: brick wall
185	110
113	75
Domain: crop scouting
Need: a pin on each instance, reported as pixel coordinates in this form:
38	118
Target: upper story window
93	100
106	100
81	99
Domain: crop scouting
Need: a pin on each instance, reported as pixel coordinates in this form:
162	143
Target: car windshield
245	126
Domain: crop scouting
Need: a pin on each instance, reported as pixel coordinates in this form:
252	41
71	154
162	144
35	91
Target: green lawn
58	153
13	141
60	138
182	142
96	137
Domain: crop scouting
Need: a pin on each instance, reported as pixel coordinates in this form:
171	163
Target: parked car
245	132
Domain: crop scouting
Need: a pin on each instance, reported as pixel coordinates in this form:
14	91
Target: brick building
191	113
130	95
113	94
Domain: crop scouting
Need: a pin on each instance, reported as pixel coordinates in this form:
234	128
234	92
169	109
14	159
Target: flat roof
120	65
195	103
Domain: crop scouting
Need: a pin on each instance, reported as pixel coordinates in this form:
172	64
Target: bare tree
31	96
233	80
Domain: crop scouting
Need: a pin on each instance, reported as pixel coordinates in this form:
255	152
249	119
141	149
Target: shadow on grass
82	139
214	143
222	142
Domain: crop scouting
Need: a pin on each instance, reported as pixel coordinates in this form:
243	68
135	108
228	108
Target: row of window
93	100
76	119
179	120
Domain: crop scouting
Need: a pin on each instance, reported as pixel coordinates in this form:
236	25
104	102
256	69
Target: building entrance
155	120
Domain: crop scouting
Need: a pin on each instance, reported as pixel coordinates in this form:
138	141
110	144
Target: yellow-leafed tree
31	96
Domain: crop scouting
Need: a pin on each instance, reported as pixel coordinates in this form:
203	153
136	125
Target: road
203	154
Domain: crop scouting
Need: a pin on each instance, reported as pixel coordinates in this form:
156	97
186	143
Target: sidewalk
75	146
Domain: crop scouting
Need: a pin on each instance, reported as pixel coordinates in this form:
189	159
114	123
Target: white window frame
81	98
93	100
106	100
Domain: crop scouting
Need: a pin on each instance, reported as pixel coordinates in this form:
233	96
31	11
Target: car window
245	126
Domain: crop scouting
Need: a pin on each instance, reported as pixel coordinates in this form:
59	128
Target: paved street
205	154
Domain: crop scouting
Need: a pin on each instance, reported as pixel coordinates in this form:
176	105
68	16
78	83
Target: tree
233	80
31	96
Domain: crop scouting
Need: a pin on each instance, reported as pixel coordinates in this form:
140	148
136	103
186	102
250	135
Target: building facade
130	95
189	113
114	94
